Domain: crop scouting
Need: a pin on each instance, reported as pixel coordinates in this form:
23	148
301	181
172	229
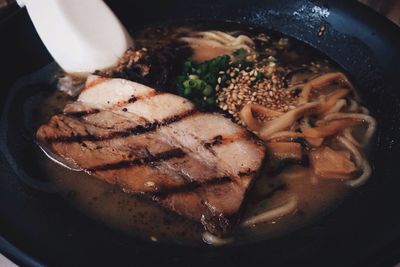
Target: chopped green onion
193	77
224	78
210	79
208	90
198	81
187	66
202	85
186	84
210	100
203	68
224	62
199	84
189	84
187	91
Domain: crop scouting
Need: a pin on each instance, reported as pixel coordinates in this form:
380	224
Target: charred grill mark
137	130
132	99
166	155
246	173
220	140
217	140
140	129
191	186
78	114
176	118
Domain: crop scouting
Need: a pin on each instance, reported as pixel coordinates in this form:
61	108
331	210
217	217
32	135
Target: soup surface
266	73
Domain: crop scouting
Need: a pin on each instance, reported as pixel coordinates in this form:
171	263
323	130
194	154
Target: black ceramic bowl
37	228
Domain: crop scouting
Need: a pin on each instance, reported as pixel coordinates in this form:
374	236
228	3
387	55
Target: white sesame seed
240	91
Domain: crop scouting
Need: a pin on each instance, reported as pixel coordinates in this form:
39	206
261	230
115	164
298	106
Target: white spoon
81	35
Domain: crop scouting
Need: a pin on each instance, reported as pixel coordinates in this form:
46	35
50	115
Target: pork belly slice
199	165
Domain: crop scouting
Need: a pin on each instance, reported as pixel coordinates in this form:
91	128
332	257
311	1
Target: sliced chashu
199	165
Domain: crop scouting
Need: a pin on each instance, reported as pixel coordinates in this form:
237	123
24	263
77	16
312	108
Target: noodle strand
361	163
273	214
